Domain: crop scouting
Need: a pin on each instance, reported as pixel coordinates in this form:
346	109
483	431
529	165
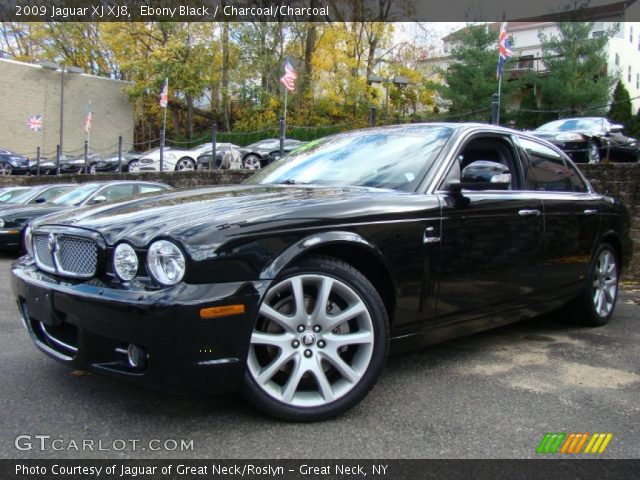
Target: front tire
251	162
319	343
133	166
185	164
5	169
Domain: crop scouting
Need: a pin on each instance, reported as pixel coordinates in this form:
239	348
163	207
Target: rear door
570	211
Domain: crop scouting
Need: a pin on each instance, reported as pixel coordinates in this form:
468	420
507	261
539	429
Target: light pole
54	66
399	81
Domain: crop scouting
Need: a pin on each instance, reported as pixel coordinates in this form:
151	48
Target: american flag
89	120
504	49
35	123
289	77
164	95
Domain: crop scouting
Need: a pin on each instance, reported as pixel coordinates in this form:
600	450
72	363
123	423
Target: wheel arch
348	247
612	239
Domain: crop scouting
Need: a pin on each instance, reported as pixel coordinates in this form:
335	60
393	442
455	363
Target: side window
578	183
486	163
49	194
150	188
547	169
117	192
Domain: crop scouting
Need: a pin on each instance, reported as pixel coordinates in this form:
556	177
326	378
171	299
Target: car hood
25	213
202	219
552	134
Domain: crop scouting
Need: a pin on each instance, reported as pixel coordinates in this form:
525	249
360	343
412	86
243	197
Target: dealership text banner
306	10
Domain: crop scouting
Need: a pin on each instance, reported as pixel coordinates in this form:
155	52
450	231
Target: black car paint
19	163
446	264
614	145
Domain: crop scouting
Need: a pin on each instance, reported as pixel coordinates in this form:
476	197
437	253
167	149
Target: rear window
547	170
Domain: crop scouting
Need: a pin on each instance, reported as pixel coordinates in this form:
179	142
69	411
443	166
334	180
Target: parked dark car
292	285
16	219
260	154
13	164
47	165
11	227
204	159
76	164
590	139
128	162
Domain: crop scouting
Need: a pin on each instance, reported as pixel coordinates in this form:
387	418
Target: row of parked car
21	205
228	156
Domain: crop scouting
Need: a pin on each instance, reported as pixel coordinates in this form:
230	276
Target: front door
492	238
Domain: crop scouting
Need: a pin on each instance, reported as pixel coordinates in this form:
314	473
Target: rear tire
596	305
319	343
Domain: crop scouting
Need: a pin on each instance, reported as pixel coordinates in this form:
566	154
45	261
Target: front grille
66	255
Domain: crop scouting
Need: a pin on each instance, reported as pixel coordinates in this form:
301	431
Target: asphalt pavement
489	395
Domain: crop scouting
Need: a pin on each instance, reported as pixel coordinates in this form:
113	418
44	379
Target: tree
525	119
577	80
620	111
471	78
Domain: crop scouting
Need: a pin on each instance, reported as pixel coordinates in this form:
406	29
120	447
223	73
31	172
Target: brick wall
28	90
621	180
618	180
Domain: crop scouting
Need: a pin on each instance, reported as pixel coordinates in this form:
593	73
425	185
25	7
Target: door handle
529	213
590	212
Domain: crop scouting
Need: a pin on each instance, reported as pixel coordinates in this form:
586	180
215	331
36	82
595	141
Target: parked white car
174	159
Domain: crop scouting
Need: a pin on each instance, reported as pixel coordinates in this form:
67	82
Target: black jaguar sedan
590	140
293	286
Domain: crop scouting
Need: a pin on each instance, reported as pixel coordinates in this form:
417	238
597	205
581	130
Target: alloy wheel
251	162
313	341
93	169
5	169
605	283
185	165
133	167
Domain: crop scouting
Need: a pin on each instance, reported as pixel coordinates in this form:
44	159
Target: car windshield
76	196
572	124
266	144
22	196
8	197
394	158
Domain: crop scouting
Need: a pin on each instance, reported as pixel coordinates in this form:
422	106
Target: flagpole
499	98
286	91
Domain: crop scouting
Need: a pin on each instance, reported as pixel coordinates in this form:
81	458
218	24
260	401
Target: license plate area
39	306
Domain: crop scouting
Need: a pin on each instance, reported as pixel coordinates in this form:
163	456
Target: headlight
125	262
166	262
28	242
1	222
569	137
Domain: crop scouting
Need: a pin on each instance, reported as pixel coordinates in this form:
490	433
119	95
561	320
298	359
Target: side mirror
486	175
454	186
99	199
39	200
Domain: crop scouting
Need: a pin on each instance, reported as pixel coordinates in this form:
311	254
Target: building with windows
623	49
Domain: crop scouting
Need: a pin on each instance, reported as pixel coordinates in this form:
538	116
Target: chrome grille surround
66	254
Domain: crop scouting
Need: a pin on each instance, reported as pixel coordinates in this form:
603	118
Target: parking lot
490	395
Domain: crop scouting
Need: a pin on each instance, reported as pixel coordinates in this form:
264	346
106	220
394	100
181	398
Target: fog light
136	356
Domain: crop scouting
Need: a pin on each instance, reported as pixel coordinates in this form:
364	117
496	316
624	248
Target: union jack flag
504	49
35	123
289	77
164	95
89	120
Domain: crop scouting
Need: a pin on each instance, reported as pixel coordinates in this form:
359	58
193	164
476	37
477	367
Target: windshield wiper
288	181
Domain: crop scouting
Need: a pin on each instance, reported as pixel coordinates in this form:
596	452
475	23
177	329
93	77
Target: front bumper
89	326
10	238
